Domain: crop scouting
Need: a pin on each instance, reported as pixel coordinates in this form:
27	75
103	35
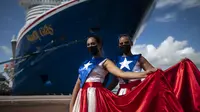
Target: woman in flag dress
88	93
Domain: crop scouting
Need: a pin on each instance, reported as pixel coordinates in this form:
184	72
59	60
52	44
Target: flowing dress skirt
175	90
153	95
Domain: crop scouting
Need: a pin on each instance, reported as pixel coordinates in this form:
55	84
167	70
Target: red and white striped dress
87	96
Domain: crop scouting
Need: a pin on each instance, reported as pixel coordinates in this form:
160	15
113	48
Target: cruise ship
51	45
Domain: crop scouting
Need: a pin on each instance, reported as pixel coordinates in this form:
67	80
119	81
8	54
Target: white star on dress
125	63
87	65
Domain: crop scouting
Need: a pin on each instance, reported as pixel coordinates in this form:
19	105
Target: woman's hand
150	70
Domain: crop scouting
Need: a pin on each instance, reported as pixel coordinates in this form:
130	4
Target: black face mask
93	50
125	49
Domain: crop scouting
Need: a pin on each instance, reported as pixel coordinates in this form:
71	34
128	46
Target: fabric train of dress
159	92
184	78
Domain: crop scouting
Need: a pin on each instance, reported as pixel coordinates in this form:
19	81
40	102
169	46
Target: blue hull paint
113	17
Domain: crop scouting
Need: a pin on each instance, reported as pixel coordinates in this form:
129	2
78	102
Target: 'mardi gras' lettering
43	31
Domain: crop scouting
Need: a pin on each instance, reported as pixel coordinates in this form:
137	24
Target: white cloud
168	53
166	18
183	4
6	50
190	4
164	3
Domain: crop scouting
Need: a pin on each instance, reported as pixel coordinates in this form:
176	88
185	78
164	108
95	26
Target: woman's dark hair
125	35
97	38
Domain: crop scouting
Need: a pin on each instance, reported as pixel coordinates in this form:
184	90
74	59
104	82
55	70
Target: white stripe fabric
76	107
91	96
91	99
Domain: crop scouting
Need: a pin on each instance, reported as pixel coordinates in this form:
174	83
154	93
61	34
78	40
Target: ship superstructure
51	45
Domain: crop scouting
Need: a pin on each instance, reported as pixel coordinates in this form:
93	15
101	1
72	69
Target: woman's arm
110	66
145	64
74	94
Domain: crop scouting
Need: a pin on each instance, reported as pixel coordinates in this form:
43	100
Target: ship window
45	79
30	18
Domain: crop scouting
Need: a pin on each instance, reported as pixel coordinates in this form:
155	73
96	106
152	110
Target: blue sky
183	24
11	21
171	33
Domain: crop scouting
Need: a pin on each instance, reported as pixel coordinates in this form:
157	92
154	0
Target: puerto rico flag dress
154	94
131	64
